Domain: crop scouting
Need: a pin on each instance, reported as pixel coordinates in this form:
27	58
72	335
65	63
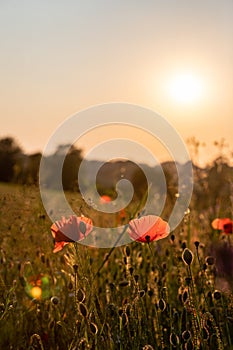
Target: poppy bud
80	295
55	300
187	256
210	260
93	328
217	295
174	339
75	267
83	309
162	304
186	335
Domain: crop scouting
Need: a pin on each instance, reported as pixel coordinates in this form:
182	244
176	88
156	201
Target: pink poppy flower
148	228
69	230
224	224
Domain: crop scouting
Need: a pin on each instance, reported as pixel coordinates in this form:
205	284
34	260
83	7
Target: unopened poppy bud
83	309
55	300
172	237
217	295
136	278
174	340
205	333
210	260
75	267
162	304
93	328
80	295
187	256
186	335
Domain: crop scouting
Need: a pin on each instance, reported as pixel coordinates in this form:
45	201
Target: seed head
187	256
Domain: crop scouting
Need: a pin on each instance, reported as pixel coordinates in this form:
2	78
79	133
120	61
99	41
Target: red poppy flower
224	224
105	199
69	230
148	228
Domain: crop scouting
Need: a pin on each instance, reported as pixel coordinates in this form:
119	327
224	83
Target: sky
60	57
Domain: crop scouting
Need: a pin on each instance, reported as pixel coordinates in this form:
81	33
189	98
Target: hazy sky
58	57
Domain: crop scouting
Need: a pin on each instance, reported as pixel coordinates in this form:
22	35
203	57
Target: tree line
212	184
20	168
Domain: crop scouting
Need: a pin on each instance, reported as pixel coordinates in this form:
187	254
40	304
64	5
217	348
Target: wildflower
224	224
69	230
148	228
105	199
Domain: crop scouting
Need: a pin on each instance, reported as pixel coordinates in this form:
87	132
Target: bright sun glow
186	88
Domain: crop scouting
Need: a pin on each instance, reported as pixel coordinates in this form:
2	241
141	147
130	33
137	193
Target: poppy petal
223	224
68	230
148	228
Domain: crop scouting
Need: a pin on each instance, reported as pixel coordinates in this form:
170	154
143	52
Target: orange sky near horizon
59	58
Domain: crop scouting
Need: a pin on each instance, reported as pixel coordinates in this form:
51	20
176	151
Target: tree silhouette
9	153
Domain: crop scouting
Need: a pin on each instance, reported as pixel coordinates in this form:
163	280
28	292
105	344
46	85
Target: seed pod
162	304
75	267
186	335
83	309
93	328
205	333
54	300
185	296
209	260
124	318
183	245
42	258
142	293
150	292
136	278
189	345
80	295
187	257
131	269
174	340
70	285
217	295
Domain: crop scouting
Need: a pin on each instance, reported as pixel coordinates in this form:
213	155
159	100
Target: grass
168	294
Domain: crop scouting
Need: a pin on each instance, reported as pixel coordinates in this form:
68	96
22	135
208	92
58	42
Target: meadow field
174	293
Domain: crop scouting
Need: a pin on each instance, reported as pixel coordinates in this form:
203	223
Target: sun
186	88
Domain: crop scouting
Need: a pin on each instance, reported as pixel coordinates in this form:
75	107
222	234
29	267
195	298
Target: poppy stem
122	233
111	251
